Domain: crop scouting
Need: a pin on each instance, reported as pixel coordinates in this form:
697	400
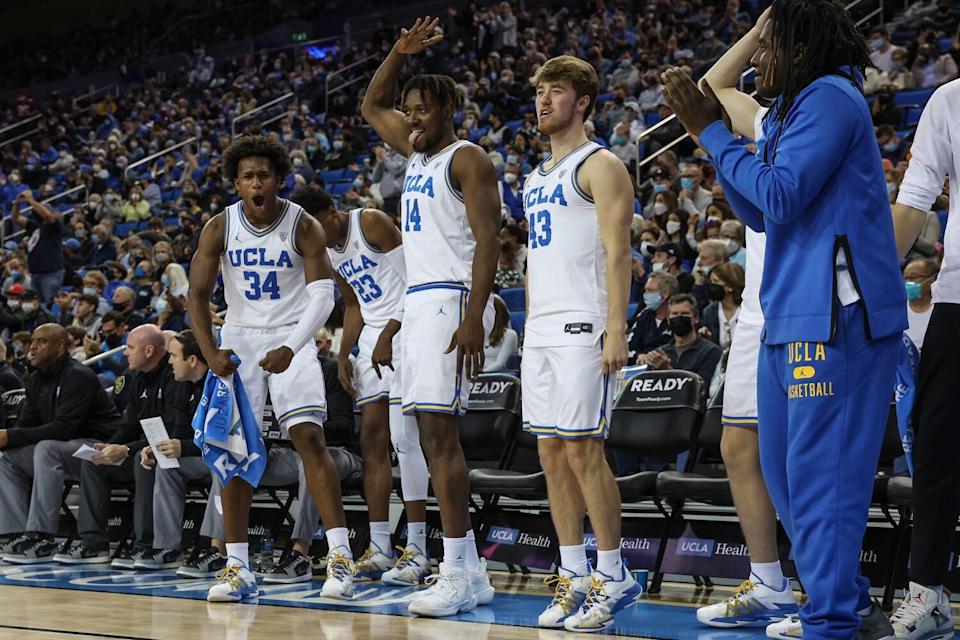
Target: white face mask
644	248
732	245
673	226
510	178
659	266
659	208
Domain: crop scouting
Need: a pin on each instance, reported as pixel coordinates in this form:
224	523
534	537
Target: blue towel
908	368
227	432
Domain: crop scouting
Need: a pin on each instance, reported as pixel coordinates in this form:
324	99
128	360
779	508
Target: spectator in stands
21	346
45	246
725	291
511	193
931	68
891	146
883	51
104	248
86	316
64	408
94	284
9	380
651	329
147	354
946	19
170	484
666	258
507	275
16	273
171	310
919	276
75	336
136	208
123	303
324	342
731	233
688	351
674	225
113	333
388	172
622	146
694	199
503	343
32	314
711	254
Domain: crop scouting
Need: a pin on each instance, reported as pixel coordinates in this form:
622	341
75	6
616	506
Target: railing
115	88
252	112
642	162
17	125
62	194
327	91
158	154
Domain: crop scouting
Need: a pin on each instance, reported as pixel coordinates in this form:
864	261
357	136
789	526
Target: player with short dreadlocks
832	295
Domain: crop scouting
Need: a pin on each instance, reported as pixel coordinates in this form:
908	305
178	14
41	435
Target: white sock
609	563
339	537
380	536
417	535
574	559
472	558
238	554
769	573
455	552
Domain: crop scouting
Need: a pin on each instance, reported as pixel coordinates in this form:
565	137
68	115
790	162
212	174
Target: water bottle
266	554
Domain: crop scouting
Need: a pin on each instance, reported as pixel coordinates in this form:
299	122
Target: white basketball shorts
740	384
370	387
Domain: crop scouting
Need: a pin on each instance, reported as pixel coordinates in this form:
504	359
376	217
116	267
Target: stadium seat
338	188
911	116
12	403
912	97
517	320
632	310
123	229
515	298
651	118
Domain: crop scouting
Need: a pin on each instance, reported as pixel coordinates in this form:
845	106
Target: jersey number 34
258	288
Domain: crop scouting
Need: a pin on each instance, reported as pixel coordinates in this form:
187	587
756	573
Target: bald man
64	408
153	396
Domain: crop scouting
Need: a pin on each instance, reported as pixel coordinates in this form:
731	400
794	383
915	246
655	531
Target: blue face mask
659	188
358	183
95	239
914	290
139	273
161	305
686	183
618	140
890	147
511	159
16	275
165	280
652	300
876	43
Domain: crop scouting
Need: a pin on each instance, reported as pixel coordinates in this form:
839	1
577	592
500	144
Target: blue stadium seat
123	229
171	222
515	298
632	310
652	118
912	97
338	188
330	176
348	174
517	320
515	125
912	116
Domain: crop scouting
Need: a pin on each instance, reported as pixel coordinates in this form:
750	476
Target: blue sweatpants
822	411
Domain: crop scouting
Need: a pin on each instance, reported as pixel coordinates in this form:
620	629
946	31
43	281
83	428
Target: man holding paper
118	460
65	407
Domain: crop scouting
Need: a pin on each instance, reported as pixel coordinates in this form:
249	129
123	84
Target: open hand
420	36
695	110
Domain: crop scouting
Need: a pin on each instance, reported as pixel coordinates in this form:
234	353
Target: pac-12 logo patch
283	236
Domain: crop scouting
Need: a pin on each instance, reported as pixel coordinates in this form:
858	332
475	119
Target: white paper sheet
86	452
156	433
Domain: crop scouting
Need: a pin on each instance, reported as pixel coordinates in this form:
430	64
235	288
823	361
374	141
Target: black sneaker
205	564
128	559
80	554
7	543
161	559
32	550
295	567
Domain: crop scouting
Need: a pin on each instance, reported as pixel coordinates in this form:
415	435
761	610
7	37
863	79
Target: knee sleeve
405	435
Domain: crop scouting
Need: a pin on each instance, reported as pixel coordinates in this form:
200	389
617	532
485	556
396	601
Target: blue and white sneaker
570	590
752	604
373	564
412	568
340	569
604	600
235	583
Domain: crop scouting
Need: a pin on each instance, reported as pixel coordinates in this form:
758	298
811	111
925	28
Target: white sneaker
449	594
372	564
787	629
751	604
569	592
923	615
339	582
235	583
605	598
480	584
411	568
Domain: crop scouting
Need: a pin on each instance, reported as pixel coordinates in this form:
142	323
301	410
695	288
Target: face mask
645	248
681	325
358	183
120	306
510	178
890	147
16	274
658	266
139	273
659	208
652	300
715	292
511	159
311	149
673	226
876	43
90	291
914	290
732	245
112	341
165	280
29	307
659	188
891	187
686	183
163	256
896	65
13	304
298	162
716	219
81	235
619	140
161	305
338	144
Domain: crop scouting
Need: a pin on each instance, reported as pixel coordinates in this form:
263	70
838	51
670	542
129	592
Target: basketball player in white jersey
278	284
367	257
765	598
579	204
450	214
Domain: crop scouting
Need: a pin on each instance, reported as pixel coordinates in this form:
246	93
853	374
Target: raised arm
379	102
607	180
203	276
474	173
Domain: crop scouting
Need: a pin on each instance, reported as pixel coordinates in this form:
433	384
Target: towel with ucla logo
908	370
227	432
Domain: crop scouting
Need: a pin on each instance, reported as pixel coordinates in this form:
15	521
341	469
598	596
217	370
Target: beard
556	121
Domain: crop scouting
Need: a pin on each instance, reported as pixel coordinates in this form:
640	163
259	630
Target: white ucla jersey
438	243
750	310
263	278
566	261
377	285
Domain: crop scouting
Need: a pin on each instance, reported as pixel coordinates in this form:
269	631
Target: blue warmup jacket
816	186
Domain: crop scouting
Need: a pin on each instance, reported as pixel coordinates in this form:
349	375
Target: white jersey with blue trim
750	310
377	285
438	243
263	278
566	260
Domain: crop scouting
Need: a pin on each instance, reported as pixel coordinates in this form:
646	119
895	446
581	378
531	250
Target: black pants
936	480
96	481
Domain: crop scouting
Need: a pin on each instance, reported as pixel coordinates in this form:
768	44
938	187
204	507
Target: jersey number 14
412	215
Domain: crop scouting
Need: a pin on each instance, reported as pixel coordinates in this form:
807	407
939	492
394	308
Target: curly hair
442	90
314	200
256	146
